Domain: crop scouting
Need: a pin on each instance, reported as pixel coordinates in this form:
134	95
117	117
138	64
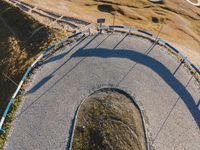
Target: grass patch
20	44
108	120
10	117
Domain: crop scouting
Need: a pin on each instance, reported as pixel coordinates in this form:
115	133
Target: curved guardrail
156	38
60	44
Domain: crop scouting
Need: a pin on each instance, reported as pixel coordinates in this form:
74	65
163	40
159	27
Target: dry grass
180	19
12	58
19	47
108	120
9	120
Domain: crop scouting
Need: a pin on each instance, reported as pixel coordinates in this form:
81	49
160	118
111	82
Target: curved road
166	92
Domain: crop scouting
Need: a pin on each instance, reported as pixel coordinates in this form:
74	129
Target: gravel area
166	92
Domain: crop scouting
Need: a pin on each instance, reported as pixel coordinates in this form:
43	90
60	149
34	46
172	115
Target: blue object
2	131
116	27
142	31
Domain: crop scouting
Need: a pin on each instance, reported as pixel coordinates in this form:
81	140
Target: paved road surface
164	89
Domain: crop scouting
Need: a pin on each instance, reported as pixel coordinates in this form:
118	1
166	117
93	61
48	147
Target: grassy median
109	120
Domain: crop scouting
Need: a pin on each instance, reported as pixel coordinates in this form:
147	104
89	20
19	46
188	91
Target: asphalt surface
166	92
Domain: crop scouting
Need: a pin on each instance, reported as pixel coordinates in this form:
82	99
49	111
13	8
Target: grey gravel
168	102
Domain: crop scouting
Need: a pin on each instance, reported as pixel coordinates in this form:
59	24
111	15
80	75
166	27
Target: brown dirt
181	20
108	120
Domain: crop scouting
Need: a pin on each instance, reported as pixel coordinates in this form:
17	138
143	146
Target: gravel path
165	90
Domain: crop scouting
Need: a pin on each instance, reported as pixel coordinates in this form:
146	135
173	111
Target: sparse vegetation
9	119
19	47
180	19
108	120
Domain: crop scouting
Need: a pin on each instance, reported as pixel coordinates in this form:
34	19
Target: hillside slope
180	19
20	44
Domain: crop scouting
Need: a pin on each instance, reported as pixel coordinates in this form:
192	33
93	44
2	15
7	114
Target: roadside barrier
59	44
155	38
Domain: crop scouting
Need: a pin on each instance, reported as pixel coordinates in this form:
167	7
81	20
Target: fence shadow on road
62	55
132	55
47	78
52	59
155	65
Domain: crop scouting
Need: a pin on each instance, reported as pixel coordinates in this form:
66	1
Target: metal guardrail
60	43
154	37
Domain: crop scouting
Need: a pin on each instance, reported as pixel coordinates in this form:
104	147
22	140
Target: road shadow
132	55
155	65
40	84
52	59
139	58
47	78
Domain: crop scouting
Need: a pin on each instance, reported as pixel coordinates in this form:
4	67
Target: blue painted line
172	47
181	55
142	31
160	40
8	107
49	48
116	27
75	35
26	74
195	68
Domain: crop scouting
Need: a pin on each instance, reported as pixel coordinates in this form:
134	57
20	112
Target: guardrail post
129	32
101	21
